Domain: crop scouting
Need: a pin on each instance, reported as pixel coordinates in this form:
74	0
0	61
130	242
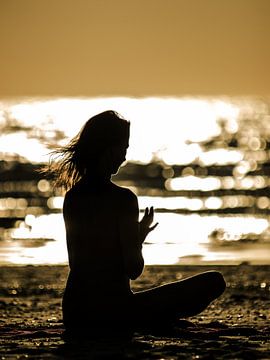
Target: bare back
95	219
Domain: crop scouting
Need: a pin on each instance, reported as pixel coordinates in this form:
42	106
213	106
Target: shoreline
184	265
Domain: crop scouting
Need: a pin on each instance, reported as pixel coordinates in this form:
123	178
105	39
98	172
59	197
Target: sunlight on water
220	157
50	253
171	121
193	183
177	239
213	157
49	247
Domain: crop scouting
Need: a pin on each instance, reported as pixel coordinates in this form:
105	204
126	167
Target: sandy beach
236	326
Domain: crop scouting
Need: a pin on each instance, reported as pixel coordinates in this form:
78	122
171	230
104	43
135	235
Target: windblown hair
69	163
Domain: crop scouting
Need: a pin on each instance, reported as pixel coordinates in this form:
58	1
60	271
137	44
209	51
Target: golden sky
134	47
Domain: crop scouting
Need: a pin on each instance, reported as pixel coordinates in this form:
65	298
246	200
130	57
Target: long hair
69	163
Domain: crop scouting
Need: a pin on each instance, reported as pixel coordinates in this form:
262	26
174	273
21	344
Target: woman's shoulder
124	193
68	199
79	189
71	195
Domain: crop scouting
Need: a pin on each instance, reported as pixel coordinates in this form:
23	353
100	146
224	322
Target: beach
235	326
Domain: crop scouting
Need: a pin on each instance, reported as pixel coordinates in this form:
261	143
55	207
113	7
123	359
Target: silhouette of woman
104	242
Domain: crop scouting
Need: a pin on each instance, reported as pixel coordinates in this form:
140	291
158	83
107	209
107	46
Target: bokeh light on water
178	239
160	126
202	163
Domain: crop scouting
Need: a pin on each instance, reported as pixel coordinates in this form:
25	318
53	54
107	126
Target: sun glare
206	175
160	127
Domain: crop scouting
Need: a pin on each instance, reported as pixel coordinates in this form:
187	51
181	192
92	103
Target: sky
134	48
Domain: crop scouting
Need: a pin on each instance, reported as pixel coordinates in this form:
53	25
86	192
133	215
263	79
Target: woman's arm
133	233
129	235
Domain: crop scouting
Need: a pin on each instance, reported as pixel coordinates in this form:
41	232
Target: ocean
203	163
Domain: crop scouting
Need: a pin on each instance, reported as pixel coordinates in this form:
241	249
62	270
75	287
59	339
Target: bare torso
97	218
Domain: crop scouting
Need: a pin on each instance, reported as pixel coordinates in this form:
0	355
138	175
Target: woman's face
118	154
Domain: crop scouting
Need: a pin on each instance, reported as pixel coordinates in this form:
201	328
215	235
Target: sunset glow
171	120
163	136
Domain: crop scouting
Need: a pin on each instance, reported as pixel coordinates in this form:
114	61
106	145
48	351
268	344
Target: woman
104	241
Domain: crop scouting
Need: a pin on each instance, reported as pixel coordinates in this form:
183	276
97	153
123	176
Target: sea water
213	152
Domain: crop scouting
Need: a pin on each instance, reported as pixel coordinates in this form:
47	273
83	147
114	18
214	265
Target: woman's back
92	215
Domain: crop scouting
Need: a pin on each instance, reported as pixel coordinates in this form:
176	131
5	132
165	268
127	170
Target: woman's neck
92	178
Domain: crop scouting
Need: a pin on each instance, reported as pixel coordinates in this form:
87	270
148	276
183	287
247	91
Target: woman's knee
215	282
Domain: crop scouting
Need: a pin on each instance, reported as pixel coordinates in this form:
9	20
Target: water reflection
29	127
176	203
193	183
178	239
220	157
192	178
190	182
55	202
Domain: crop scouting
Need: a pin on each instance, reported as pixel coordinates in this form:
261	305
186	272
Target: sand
236	326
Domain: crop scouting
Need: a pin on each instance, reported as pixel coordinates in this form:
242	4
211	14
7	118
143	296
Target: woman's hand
145	223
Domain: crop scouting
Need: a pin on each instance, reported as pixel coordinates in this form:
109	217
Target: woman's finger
153	227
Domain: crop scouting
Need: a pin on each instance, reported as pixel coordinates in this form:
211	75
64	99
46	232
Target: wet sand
236	326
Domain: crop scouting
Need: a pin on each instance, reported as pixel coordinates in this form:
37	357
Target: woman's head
98	149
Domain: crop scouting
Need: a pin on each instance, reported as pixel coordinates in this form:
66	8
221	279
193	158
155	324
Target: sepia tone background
193	78
134	48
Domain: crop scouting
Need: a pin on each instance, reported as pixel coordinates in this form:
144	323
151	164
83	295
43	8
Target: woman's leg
179	299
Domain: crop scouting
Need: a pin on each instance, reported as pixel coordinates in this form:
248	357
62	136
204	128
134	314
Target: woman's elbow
134	275
134	270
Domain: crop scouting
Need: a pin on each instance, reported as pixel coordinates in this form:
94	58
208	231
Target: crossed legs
178	299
